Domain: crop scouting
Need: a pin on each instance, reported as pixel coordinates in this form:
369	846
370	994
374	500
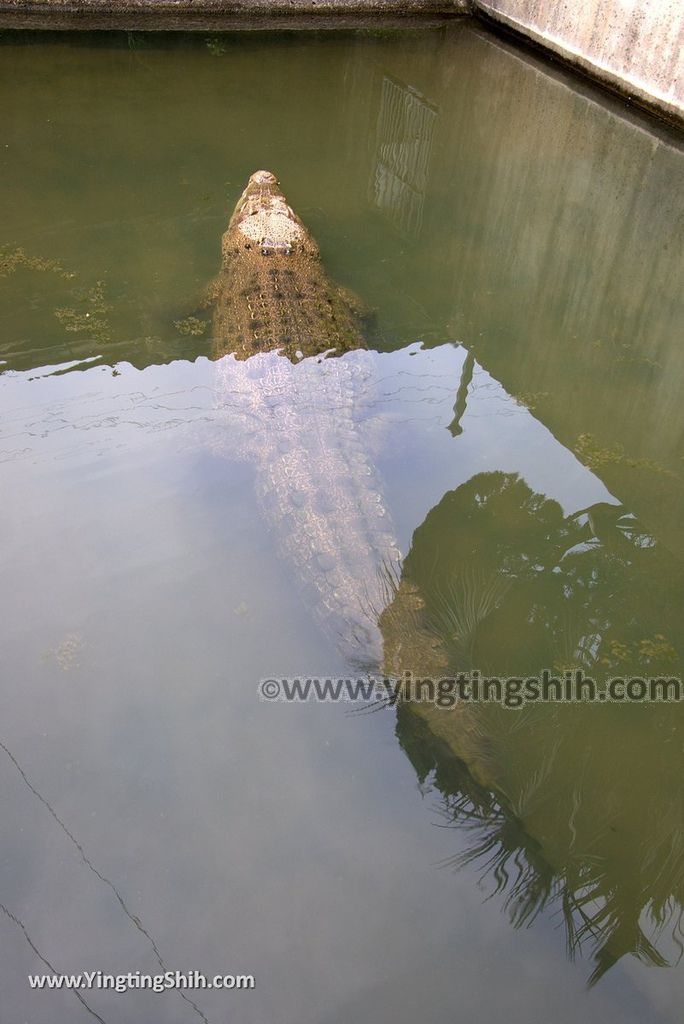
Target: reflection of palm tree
468	600
579	807
600	899
519	586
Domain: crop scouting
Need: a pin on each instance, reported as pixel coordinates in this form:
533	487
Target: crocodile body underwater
291	362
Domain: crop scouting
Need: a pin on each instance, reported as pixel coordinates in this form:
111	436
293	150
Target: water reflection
469	195
106	882
297	377
562	270
404	136
576	808
514	585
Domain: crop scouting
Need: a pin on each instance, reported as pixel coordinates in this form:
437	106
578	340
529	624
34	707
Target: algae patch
592	455
89	315
192	326
12	259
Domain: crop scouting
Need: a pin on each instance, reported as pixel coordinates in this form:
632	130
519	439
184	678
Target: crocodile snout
263	178
264	220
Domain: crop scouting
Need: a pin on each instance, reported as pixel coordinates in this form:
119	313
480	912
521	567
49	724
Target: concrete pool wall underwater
633	47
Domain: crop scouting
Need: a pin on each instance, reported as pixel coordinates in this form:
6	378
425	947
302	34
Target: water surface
520	237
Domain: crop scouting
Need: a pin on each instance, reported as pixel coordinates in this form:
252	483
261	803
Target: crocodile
291	359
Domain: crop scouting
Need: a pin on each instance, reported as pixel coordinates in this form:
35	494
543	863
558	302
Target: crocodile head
263	224
272	292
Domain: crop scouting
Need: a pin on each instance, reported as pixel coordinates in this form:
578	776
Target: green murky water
520	237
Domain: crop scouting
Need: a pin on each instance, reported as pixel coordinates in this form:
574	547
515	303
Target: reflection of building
404	135
544	227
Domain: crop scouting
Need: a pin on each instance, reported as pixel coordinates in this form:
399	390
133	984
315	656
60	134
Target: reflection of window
404	135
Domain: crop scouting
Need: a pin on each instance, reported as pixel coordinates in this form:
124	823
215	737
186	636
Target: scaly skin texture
272	291
294	412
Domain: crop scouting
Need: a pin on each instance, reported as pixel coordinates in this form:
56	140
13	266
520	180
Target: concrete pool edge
222	16
638	80
632	89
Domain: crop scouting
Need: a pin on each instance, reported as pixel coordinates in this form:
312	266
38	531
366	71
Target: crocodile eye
247	245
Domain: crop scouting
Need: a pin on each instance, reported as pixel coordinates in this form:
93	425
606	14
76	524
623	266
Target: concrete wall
636	46
190	14
633	46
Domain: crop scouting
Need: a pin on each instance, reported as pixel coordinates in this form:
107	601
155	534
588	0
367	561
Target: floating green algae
192	325
12	259
595	457
90	314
